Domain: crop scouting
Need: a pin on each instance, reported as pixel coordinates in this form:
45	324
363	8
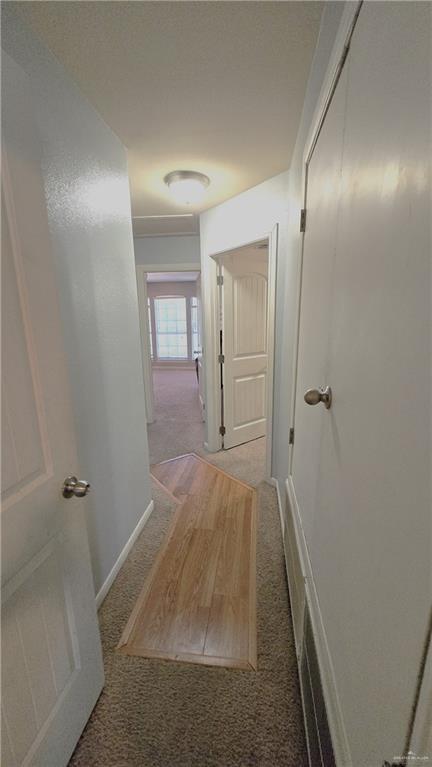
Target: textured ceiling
216	87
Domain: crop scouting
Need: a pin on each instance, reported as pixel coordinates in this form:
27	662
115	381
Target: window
150	328
194	325
171	328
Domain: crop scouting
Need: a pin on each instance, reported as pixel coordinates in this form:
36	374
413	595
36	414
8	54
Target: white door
361	469
244	329
199	352
52	669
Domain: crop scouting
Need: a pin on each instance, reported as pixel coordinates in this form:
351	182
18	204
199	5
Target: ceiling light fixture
187	186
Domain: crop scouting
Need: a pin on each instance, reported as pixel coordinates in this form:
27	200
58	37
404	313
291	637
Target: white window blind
171	328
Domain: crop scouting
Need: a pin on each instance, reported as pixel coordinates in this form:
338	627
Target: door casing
141	271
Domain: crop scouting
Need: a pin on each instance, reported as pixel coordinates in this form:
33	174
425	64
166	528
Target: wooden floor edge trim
225	473
201	660
170	460
209	463
165	489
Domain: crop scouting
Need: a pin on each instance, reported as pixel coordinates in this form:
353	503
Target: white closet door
52	669
245	288
323	191
368	520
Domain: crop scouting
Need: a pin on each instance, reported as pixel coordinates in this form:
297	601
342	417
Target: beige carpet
162	714
178	426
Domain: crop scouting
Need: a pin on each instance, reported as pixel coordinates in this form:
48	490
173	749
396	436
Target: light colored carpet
178	427
162	714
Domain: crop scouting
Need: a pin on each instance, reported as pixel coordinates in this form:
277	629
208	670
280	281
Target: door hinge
219	279
221	359
303	220
222	430
291	436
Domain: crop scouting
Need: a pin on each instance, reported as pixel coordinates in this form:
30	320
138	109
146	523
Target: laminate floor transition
155	713
198	603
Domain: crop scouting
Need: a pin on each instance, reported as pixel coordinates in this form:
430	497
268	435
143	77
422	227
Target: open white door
52	671
198	352
245	340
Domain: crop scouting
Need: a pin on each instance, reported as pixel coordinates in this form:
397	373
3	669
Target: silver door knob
77	487
314	396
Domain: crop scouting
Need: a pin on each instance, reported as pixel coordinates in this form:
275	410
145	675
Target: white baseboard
103	591
334	711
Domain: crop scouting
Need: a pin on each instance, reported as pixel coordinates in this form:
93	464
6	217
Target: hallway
166	602
178	425
156	713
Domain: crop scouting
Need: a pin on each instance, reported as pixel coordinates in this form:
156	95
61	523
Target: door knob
314	396
77	487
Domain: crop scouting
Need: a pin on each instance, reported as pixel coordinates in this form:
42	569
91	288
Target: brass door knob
314	396
77	487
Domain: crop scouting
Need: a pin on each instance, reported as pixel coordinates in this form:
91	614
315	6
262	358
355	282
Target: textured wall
87	190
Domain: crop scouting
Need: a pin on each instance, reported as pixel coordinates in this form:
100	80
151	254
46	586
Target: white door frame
141	272
145	345
214	439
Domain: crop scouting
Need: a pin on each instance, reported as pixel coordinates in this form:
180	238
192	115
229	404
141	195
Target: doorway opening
244	291
170	318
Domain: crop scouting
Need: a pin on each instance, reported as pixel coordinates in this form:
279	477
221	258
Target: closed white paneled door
244	327
361	470
51	657
324	188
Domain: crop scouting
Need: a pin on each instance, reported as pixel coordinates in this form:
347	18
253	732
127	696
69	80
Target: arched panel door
244	321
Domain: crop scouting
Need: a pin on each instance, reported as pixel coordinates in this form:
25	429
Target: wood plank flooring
198	603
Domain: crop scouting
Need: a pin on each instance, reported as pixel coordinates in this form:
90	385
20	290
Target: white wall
167	250
87	190
186	289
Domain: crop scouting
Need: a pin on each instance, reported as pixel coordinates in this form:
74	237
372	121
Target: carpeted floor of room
166	714
178	426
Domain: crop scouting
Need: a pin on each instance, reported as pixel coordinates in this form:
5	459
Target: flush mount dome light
187	186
